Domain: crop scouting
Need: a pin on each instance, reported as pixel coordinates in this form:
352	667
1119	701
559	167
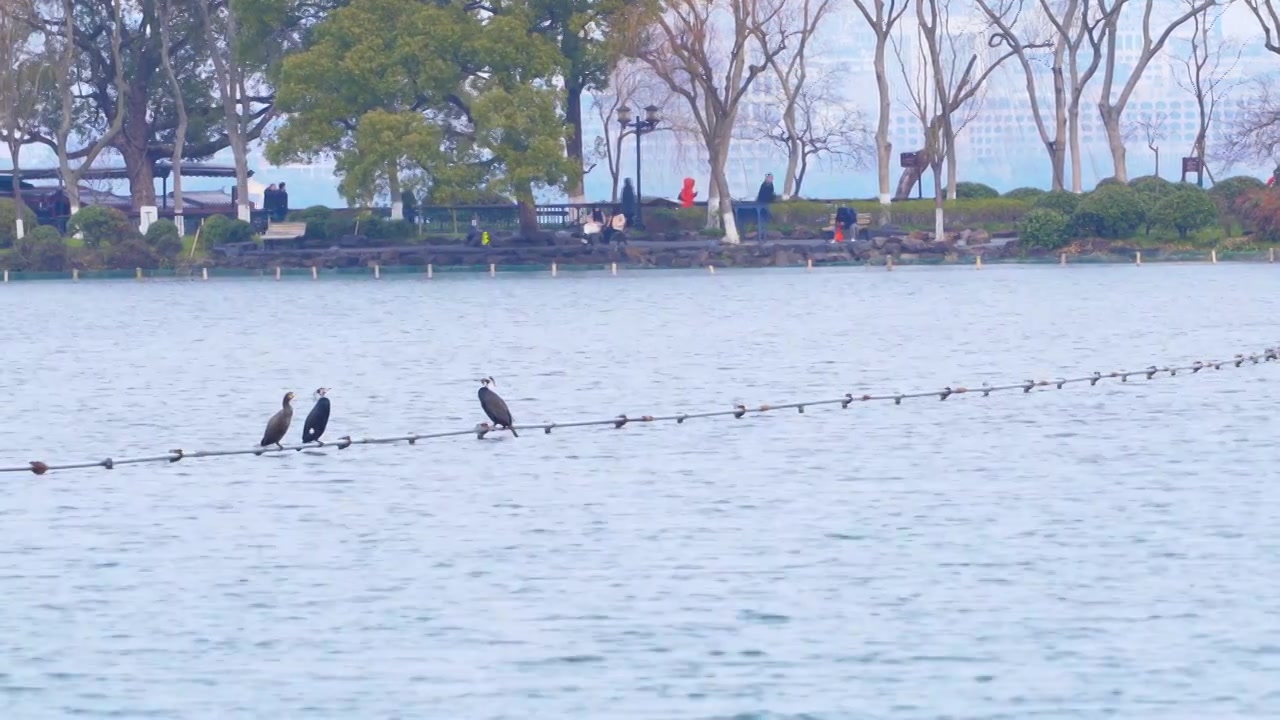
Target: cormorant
494	406
278	425
317	419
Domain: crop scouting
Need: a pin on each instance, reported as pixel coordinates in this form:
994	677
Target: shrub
43	249
959	213
1113	211
1185	208
1045	228
319	220
1060	200
1024	193
132	253
101	226
1151	190
1261	210
975	191
665	220
220	229
9	221
163	237
1107	181
1226	195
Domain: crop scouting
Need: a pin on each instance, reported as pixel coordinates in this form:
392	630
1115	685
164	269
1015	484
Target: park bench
283	234
862	222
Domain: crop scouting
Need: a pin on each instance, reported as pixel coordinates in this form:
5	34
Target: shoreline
428	261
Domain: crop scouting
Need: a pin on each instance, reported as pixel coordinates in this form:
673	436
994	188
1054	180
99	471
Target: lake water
1084	553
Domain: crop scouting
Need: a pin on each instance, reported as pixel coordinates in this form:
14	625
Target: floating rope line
739	411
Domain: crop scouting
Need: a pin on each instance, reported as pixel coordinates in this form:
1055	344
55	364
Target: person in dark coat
766	196
628	201
282	208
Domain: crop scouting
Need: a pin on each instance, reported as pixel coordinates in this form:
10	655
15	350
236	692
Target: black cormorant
317	419
278	425
494	406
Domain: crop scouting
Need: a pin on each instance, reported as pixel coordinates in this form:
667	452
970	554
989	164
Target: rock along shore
918	247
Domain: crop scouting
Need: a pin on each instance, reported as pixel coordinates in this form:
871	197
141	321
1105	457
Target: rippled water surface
1083	553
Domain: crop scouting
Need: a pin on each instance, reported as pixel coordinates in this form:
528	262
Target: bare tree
882	16
1254	135
1009	17
180	106
821	129
791	68
23	77
221	27
633	85
1151	127
1208	75
710	52
69	80
945	92
1111	106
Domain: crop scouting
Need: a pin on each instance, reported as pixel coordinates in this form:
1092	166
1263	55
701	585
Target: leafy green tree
975	191
102	226
147	128
422	94
1113	210
1044	228
1185	208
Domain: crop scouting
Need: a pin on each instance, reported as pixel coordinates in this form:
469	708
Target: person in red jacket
687	194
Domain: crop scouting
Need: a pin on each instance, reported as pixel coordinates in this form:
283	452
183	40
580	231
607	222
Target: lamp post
638	127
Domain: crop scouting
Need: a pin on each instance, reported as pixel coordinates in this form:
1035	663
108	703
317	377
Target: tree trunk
573	116
884	148
15	148
393	187
794	150
528	213
142	176
938	217
180	106
1057	151
1115	140
1073	122
725	206
951	170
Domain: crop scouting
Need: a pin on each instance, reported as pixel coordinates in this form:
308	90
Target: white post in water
1062	259
204	273
315	273
554	269
137	273
397	210
75	274
613	268
493	270
977	261
1271	256
430	271
1137	257
6	276
377	271
712	268
808	266
147	214
888	263
1213	256
277	272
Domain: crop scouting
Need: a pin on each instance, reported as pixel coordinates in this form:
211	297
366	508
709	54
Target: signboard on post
909	160
1193	165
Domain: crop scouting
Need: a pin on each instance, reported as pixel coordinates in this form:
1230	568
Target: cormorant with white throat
317	419
494	406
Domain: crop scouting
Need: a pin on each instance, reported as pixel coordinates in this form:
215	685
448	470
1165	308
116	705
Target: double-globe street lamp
638	127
